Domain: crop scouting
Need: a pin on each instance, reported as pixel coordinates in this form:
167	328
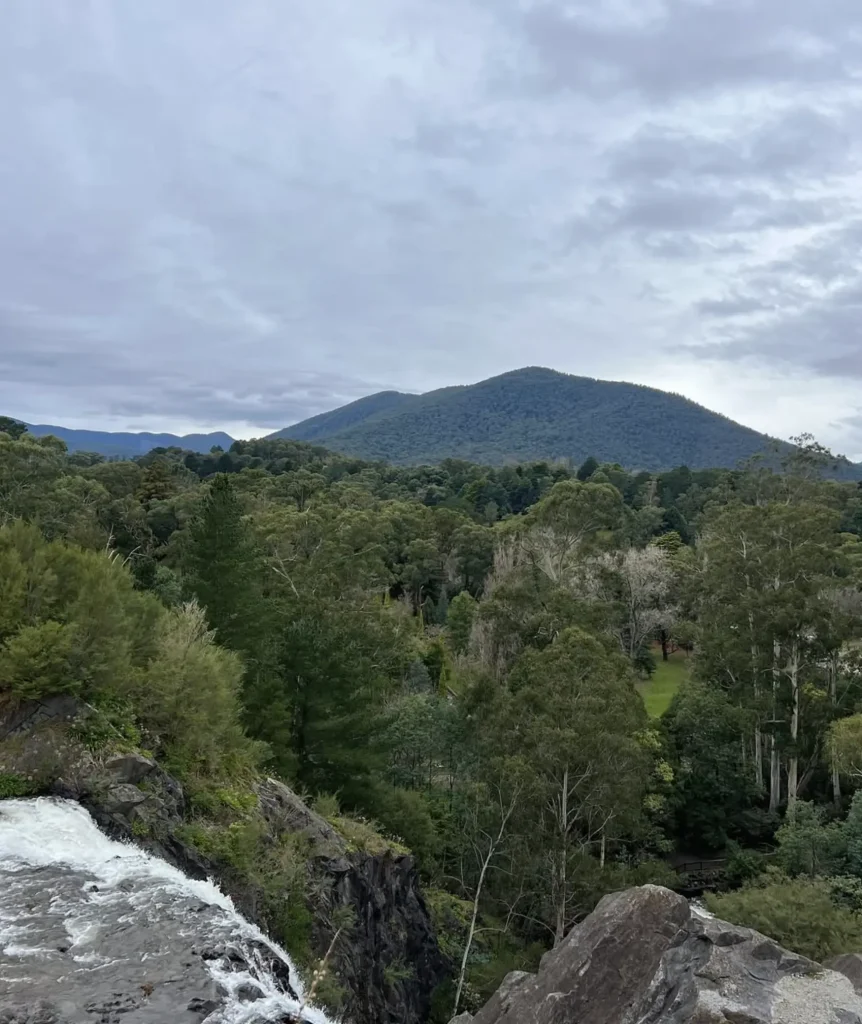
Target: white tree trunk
562	866
774	762
493	846
793	765
758	735
833	694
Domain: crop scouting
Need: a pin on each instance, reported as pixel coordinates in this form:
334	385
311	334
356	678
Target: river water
94	931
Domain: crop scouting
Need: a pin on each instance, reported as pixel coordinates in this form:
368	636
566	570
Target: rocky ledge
134	799
645	956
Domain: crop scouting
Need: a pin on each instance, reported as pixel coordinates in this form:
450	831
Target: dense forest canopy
460	654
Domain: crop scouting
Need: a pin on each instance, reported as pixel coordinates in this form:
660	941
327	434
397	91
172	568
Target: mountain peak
536	413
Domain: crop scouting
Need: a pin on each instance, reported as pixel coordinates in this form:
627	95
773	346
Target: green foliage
459	621
365	836
451	649
14	428
808	845
742	865
715	786
13	785
236	844
798	914
40	660
223	570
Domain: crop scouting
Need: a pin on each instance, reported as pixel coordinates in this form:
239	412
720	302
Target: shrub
14	785
799	914
40	660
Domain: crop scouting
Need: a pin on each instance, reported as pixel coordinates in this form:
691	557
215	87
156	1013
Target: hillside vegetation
457	653
536	414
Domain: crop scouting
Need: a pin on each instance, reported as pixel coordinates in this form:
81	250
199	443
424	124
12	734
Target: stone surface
645	957
392	925
850	965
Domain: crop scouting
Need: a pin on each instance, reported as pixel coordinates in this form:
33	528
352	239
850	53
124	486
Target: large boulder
645	957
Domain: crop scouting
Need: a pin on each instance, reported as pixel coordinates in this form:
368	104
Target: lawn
658	691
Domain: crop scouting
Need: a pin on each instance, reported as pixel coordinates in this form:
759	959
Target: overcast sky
238	213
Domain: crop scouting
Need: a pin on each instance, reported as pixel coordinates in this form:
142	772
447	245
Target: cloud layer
239	215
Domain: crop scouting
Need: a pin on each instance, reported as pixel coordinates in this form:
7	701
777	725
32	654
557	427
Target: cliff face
645	957
389	962
367	906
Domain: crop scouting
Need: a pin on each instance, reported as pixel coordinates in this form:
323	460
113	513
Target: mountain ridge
526	415
129	443
536	413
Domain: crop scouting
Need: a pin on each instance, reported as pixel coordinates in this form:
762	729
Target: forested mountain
533	414
329	424
127	444
453	659
527	415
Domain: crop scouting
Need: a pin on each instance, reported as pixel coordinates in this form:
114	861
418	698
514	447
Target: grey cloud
821	333
690	47
203	222
737	305
798	141
668	217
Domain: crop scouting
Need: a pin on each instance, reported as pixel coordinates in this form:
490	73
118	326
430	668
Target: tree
565	526
587	468
767	620
714	785
845	746
14	428
223	569
637	584
573	717
459	621
337	663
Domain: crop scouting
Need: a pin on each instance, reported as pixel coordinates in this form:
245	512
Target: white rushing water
79	910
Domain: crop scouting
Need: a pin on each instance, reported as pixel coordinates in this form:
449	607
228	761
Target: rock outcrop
645	957
387	958
390	962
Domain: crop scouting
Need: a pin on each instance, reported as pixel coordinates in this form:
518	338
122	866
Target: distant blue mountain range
127	445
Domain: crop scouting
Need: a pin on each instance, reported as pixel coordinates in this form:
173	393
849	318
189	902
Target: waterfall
92	928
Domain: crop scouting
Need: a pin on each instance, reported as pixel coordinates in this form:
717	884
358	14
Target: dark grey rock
130	768
392	924
643	956
30	714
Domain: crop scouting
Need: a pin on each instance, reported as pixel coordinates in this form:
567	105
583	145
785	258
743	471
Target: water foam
48	833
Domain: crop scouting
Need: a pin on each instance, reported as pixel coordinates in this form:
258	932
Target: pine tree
223	570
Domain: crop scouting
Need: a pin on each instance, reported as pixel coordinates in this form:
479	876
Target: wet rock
123	800
204	1007
43	1013
248	994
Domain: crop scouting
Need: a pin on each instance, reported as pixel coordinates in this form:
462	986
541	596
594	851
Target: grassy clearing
658	691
